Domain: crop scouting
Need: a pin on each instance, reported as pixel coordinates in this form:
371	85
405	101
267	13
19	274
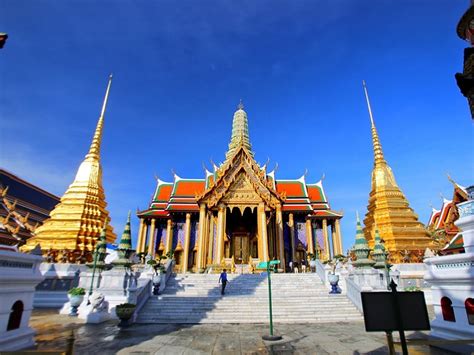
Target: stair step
296	298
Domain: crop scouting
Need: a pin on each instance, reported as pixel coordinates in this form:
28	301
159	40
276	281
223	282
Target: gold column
334	246
220	234
187	239
144	237
151	244
327	254
201	235
210	248
281	242
169	235
337	227
291	224
140	236
309	236
262	218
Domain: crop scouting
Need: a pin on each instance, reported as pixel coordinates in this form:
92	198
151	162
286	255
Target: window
469	305
15	316
447	309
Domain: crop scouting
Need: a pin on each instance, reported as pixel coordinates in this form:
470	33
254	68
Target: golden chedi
76	222
388	211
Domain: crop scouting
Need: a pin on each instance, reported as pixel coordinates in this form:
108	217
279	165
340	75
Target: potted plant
125	311
76	296
333	278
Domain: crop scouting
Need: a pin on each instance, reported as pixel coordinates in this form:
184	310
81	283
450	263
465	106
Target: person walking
223	280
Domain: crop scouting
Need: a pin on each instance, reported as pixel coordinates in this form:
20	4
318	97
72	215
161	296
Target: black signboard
381	308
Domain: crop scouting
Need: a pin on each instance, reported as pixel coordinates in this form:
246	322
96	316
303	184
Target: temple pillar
144	236
187	239
337	228
169	235
309	237
262	226
291	225
201	236
220	233
327	254
151	244
210	248
333	239
140	236
281	242
315	239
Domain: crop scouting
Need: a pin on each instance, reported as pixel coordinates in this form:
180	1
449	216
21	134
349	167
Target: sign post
395	311
267	265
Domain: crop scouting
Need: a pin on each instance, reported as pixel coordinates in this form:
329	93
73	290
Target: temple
76	222
239	214
441	225
388	210
23	207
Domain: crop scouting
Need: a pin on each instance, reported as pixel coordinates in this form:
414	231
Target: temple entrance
241	247
242	231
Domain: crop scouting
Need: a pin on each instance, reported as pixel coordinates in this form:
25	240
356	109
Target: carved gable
241	192
241	181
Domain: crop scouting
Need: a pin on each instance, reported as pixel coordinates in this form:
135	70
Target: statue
98	302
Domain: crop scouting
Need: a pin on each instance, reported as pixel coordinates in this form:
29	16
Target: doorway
242	229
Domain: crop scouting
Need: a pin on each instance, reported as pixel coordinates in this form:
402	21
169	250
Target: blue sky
181	67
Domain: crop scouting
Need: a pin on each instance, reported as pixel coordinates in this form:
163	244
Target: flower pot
333	279
124	313
75	301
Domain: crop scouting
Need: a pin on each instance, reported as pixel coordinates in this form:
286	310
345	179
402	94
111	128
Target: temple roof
239	169
23	206
180	195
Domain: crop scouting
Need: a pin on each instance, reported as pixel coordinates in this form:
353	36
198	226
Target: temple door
241	248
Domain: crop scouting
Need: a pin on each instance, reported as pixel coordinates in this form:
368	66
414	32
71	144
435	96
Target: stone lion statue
98	302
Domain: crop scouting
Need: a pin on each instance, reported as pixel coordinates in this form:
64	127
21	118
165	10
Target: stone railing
167	274
321	271
353	293
139	296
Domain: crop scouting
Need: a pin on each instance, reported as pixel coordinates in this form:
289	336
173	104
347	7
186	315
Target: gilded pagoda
76	222
388	210
239	212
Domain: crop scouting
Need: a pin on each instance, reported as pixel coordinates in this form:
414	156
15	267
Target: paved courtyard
107	338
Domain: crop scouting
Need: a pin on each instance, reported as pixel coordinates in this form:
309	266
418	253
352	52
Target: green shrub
126	306
77	291
412	289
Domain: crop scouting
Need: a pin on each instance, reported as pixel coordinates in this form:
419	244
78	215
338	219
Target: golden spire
240	132
94	150
76	223
388	211
378	153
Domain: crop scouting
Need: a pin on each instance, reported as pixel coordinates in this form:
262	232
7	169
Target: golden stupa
389	212
76	222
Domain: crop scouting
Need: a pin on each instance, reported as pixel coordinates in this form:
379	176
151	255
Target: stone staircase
297	298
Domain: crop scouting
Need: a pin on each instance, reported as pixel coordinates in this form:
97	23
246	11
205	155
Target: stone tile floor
106	338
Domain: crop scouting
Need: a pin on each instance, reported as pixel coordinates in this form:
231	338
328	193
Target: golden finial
378	153
4	191
94	150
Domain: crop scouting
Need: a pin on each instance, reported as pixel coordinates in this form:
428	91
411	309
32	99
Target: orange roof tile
188	187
